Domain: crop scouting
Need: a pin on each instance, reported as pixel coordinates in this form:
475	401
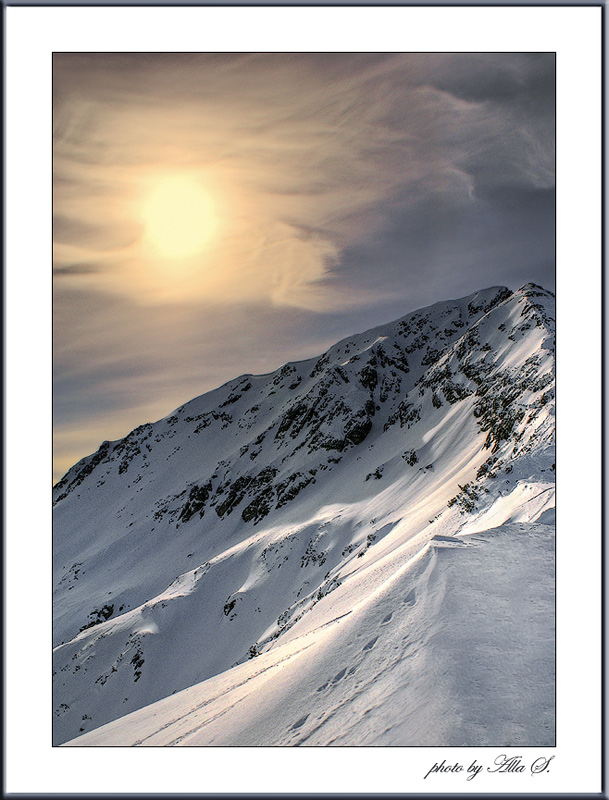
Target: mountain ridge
343	465
235	381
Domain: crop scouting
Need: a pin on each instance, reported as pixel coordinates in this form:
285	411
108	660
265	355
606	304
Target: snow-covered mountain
283	560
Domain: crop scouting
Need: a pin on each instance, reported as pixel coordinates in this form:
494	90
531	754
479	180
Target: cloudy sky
222	214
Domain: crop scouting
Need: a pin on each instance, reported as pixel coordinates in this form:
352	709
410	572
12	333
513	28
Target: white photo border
33	33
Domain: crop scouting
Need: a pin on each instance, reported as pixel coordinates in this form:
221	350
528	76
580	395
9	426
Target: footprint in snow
370	644
299	723
321	688
339	675
387	618
410	598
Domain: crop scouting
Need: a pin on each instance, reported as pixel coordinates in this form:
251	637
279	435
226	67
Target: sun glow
179	216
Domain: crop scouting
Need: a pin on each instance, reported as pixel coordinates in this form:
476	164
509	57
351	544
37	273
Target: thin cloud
285	144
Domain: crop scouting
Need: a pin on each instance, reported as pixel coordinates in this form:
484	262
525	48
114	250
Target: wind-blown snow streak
283	560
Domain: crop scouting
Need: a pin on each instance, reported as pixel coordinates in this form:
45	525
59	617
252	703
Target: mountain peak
219	531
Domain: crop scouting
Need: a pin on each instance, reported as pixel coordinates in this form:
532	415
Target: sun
179	216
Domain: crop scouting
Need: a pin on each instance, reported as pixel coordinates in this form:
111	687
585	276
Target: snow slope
250	542
436	660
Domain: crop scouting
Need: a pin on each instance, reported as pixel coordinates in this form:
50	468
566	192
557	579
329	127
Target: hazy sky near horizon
216	214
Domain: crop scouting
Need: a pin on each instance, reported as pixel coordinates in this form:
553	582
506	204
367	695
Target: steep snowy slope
435	659
237	527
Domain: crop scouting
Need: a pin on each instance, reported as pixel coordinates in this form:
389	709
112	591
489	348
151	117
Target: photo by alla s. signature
502	764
